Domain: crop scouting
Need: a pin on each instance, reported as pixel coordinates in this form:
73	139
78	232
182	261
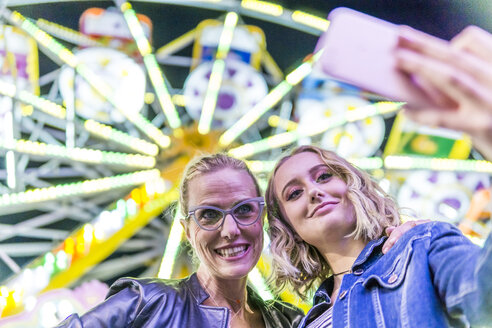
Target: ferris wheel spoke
218	67
267	103
155	73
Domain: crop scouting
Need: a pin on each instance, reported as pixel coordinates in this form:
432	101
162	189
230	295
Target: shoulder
149	286
433	229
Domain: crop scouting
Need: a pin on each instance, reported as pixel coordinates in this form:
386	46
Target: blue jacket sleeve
462	273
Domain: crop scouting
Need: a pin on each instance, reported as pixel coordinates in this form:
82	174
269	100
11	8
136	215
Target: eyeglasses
244	213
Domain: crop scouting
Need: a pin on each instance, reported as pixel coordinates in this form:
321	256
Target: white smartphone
359	49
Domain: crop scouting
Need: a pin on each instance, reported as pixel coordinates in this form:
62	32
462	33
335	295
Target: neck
230	293
341	255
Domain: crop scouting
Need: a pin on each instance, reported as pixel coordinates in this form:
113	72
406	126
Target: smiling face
233	250
313	200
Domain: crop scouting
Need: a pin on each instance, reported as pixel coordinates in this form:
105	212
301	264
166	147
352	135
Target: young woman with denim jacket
326	220
220	200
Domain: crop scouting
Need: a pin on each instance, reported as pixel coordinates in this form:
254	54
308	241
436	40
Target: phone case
358	49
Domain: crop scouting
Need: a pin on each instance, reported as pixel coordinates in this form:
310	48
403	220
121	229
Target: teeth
233	251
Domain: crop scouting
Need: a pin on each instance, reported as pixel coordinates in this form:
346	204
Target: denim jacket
152	303
432	277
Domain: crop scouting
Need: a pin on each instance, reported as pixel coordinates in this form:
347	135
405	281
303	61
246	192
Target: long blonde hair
301	265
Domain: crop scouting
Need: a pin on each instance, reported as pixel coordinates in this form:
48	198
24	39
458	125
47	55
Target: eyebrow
295	180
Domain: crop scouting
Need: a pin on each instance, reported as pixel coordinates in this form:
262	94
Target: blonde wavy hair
300	265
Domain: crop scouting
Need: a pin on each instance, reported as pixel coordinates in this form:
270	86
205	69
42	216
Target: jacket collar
324	291
196	289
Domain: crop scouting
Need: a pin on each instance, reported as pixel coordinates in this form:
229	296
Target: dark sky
287	46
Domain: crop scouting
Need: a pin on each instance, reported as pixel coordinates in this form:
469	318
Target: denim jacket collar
324	291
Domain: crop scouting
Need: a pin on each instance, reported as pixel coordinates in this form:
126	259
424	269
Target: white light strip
172	247
78	188
218	67
109	133
84	155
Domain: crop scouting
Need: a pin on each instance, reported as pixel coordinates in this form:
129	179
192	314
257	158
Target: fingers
395	233
475	41
464	53
450	81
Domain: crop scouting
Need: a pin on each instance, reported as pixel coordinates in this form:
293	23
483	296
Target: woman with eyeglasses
326	221
223	211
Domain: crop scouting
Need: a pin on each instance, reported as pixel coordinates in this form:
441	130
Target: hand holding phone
359	49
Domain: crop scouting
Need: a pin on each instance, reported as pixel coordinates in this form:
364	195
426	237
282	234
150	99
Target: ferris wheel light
78	188
79	154
310	20
7	89
436	164
255	113
267	102
218	67
172	247
263	7
150	62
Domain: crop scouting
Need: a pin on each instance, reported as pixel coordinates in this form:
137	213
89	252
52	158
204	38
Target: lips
329	205
232	251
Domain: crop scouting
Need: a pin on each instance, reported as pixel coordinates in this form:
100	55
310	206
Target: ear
184	223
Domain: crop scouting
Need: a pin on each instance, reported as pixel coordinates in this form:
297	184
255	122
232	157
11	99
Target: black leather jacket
146	303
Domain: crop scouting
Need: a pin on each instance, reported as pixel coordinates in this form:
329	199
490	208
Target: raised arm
461	273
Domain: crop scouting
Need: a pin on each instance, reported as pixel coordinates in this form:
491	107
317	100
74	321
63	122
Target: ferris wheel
101	117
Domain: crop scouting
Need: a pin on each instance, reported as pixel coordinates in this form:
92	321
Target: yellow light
263	7
179	100
277	121
310	20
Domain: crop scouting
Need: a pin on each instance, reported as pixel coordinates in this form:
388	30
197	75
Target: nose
230	229
315	194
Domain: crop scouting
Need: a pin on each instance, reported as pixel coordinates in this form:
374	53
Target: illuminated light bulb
131	207
4	291
310	20
261	166
136	196
368	163
62	260
179	100
299	73
30	303
7	89
17	297
69	246
88	233
49	259
277	121
263	7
